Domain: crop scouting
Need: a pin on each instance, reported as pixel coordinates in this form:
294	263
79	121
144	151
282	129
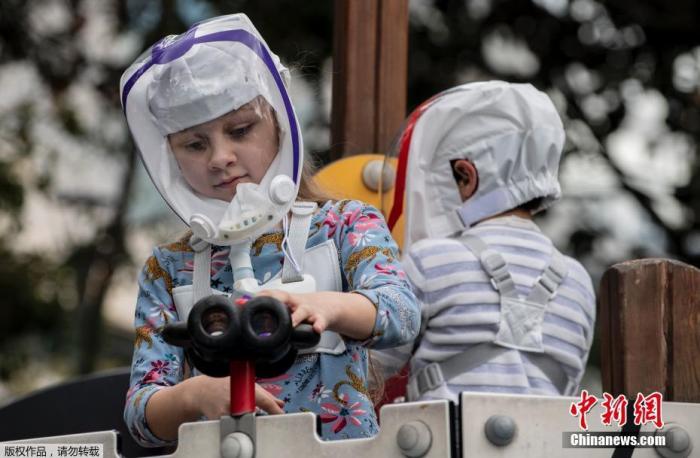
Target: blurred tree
602	62
625	75
72	51
44	49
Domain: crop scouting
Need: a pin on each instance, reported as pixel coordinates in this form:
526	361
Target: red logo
647	409
614	409
580	409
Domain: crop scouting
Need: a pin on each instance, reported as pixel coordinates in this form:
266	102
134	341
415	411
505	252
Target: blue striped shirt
463	309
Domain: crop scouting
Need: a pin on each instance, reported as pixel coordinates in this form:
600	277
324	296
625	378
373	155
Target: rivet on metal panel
678	442
237	445
414	439
500	430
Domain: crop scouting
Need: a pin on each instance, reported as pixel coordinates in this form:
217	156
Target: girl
210	114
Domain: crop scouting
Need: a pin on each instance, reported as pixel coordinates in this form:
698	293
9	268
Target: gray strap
494	264
553	371
545	288
201	278
297	235
331	342
434	374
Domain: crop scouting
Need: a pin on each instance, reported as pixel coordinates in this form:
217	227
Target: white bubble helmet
214	68
512	134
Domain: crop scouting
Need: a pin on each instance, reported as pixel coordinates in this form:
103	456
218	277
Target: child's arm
391	360
352	315
156	365
370	261
195	398
158	400
380	310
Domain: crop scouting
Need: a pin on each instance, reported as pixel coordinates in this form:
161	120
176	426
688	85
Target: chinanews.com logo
618	411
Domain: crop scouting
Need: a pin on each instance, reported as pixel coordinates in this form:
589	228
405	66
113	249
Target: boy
503	309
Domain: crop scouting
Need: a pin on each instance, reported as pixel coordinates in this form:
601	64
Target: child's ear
461	172
466	176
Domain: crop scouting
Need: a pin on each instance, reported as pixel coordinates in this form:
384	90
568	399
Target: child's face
238	147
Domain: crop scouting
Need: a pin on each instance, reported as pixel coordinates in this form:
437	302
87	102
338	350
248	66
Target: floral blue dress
332	386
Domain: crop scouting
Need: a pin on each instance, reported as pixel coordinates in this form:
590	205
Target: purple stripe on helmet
168	50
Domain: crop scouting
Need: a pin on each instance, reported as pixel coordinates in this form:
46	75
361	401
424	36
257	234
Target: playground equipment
484	425
649	313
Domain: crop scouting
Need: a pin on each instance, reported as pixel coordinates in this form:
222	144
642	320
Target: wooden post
369	75
649	316
391	71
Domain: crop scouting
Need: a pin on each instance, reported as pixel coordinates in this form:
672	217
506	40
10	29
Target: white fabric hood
182	81
512	134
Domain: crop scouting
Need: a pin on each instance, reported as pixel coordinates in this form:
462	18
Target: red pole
242	387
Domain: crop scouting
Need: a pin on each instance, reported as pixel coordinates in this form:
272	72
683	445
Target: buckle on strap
429	378
552	277
549	285
304	208
198	244
496	266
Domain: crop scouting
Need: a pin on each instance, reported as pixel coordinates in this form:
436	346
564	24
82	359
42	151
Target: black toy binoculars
221	329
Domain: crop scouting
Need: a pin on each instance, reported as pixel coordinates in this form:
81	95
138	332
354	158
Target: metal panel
295	435
541	422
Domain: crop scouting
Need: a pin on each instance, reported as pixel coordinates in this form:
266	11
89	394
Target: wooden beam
649	316
369	74
392	68
352	114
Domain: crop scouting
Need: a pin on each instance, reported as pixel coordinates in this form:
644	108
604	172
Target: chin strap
294	243
293	246
201	278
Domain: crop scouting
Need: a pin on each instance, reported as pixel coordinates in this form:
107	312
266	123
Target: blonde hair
375	385
309	190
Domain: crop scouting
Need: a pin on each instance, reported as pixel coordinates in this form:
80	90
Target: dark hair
532	205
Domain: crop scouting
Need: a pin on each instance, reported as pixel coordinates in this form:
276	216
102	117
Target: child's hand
266	401
210	396
310	308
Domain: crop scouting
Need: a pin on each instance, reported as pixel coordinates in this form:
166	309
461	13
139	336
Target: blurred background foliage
78	216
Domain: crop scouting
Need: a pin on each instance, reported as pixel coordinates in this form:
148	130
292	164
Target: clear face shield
412	156
391	187
211	117
395	166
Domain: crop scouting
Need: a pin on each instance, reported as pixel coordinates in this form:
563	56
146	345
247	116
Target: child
210	114
503	309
